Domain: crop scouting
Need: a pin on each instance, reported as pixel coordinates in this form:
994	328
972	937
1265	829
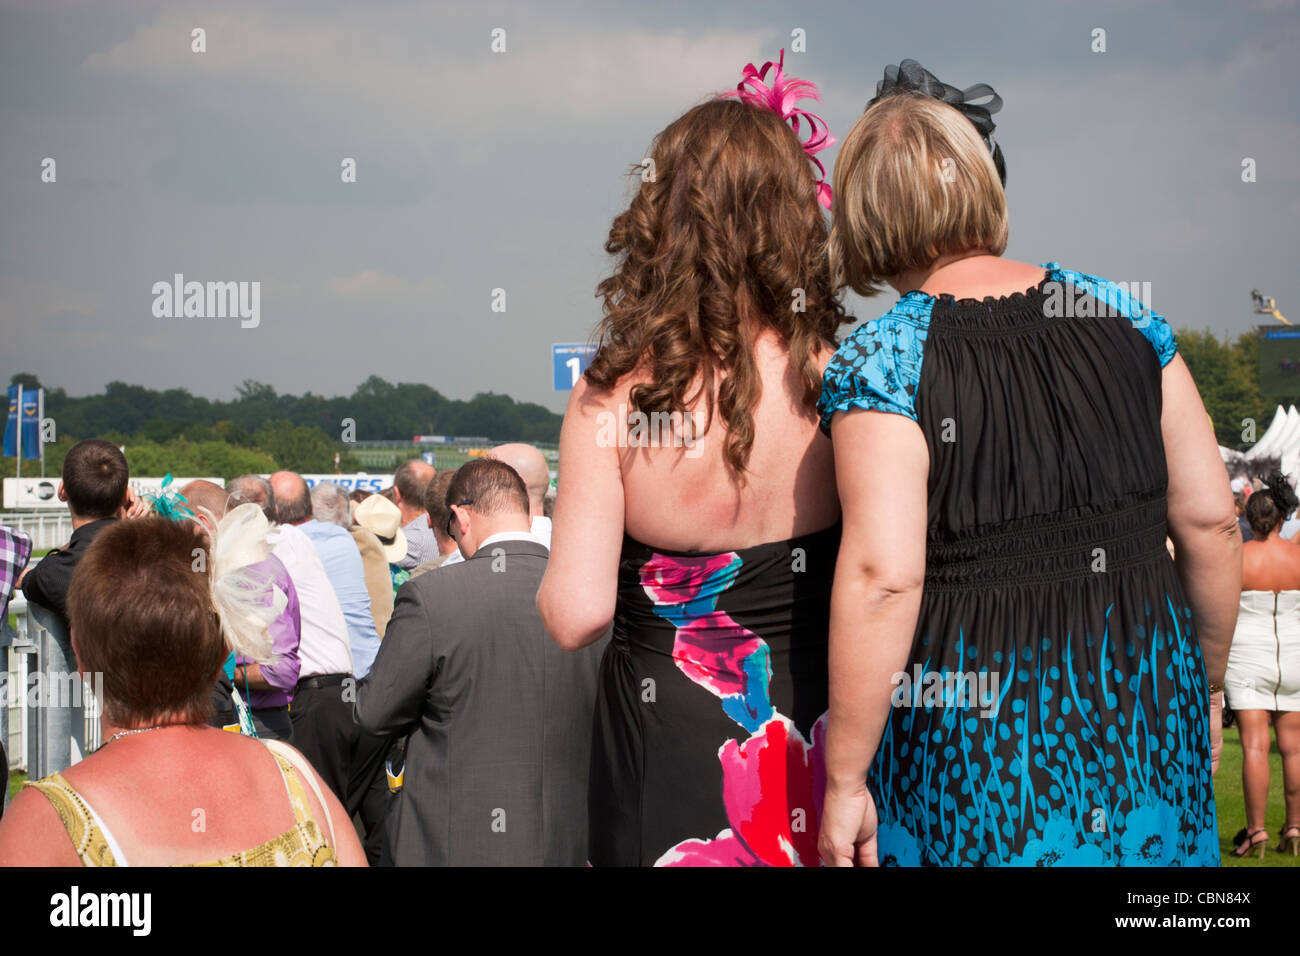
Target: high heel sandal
1290	841
1246	842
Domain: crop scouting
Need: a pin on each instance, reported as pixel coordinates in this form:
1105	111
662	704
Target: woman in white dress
1263	676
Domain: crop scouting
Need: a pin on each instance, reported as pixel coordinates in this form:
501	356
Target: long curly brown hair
724	238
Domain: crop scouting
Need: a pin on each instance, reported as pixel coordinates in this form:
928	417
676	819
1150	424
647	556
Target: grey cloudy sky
479	170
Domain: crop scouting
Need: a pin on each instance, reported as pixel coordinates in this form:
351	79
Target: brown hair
95	477
913	182
142	616
435	502
493	487
724	238
1263	515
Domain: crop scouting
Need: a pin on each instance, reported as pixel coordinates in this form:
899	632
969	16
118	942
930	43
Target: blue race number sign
568	362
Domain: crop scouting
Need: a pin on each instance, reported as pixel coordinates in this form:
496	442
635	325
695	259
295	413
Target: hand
136	507
848	834
1216	730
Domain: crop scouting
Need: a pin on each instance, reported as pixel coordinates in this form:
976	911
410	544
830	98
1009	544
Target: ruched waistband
1049	548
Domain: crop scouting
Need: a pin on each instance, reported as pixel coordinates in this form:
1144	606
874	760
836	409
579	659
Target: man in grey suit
499	716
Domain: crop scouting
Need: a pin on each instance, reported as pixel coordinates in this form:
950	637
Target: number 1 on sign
568	361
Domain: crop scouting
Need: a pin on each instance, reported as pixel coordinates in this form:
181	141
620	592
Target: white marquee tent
1281	440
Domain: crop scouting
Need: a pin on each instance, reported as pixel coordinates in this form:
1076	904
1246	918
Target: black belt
324	680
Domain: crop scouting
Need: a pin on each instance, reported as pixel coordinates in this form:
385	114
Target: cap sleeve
1117	297
878	366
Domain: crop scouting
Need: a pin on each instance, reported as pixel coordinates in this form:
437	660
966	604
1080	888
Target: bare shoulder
1019	275
778	364
978	276
593	421
587	401
824	356
585	395
31	833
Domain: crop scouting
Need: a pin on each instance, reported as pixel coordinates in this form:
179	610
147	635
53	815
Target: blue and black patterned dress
1055	709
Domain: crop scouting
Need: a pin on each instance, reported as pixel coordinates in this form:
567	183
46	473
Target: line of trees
1227	374
260	430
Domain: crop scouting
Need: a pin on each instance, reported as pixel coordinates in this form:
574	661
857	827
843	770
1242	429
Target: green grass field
1232	807
387	458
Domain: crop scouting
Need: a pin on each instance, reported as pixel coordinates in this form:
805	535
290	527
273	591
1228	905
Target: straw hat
382	518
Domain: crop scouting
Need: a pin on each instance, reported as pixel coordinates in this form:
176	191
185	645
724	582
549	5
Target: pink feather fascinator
780	97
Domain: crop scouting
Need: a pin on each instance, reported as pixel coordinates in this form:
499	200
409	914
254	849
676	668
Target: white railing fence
48	718
49	529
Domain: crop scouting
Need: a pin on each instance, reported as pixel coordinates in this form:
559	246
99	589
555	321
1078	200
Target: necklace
138	730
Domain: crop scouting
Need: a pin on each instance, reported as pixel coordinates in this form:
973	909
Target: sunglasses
451	515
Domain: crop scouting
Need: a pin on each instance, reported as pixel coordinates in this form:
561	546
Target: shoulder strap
90	839
294	759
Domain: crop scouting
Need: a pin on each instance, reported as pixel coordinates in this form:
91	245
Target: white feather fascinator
246	599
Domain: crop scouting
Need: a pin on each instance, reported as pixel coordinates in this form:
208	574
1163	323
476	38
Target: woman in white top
1263	675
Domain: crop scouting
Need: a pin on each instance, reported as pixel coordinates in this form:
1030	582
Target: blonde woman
1019	673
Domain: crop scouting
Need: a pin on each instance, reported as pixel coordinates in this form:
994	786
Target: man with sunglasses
498	716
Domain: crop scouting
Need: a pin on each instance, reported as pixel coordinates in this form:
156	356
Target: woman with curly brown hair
697	510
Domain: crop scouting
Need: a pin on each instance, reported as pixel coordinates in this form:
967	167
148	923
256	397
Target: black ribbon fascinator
911	77
1283	495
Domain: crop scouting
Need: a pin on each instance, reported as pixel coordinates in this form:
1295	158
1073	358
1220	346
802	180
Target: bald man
410	482
268	688
531	466
205	494
322	718
343	565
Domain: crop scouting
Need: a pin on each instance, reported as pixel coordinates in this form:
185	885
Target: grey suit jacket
500	717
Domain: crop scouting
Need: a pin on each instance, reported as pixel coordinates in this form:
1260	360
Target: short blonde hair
913	181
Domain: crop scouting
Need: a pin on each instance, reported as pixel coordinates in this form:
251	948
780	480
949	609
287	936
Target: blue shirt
338	552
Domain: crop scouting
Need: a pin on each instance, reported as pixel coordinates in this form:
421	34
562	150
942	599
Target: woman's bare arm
881	467
580	587
1202	518
1203	526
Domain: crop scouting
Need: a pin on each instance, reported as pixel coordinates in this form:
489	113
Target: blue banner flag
32	423
11	423
24	414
